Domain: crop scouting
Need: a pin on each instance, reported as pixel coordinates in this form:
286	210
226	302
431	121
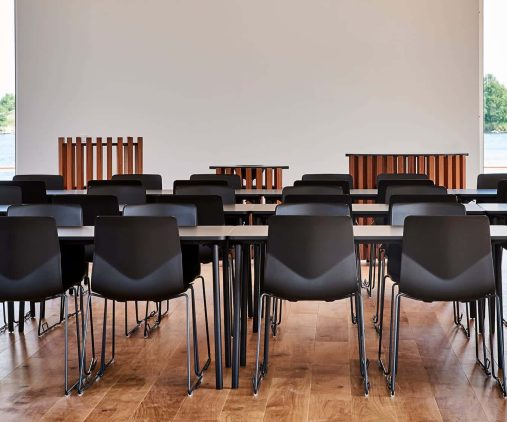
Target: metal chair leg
381	364
500	379
363	361
381	275
259	368
391	379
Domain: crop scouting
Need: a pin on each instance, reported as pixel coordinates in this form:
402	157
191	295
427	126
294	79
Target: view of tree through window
495	86
7	90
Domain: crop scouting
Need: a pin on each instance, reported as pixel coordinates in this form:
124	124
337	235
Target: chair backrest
128	192
69	215
91	205
225	192
51	181
398	212
447	258
413	190
30	268
393	199
11	195
343	184
382	186
210	209
214	182
311	190
315	209
233	180
324	177
401	176
490	180
149	181
310	258
32	192
326	199
185	214
137	258
501	193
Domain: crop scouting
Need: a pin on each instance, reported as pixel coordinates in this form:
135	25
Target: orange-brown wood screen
447	170
256	177
82	159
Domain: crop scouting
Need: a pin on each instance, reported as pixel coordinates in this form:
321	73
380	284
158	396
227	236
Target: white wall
297	82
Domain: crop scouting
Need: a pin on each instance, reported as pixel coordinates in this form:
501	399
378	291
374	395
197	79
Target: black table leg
497	259
227	308
32	309
245	286
257	275
237	311
21	324
217	319
10	316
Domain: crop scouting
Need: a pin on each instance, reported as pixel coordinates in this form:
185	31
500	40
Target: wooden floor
313	374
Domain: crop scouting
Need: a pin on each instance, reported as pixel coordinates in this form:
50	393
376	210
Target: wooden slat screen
256	177
80	161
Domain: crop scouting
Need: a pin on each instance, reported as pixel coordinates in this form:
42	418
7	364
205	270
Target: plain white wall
297	82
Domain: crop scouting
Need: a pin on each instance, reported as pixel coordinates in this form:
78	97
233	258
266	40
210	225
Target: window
7	90
495	86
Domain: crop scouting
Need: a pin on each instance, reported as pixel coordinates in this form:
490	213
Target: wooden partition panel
255	177
80	161
447	170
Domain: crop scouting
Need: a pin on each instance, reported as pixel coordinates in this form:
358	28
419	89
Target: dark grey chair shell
398	212
51	181
325	199
233	180
422	198
185	214
401	176
314	209
490	180
382	186
149	181
11	195
32	192
318	177
311	190
447	258
70	215
413	190
310	258
124	271
343	184
128	192
30	268
91	205
227	193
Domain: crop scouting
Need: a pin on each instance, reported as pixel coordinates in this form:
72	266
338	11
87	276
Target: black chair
382	186
413	190
501	194
74	265
186	216
398	212
128	192
233	180
322	177
91	205
51	181
421	198
149	181
227	193
10	195
343	184
311	190
32	192
309	258
445	259
122	271
325	199
490	180
29	272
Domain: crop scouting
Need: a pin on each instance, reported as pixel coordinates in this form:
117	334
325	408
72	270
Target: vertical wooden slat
227	170
119	156
463	159
361	161
269	178
379	168
400	164
130	155
219	170
421	165
79	163
390	164
248	178
99	164
411	164
70	179
457	171
370	176
139	155
61	158
238	172
431	169
89	159
109	158
440	170
259	182
353	170
278	178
